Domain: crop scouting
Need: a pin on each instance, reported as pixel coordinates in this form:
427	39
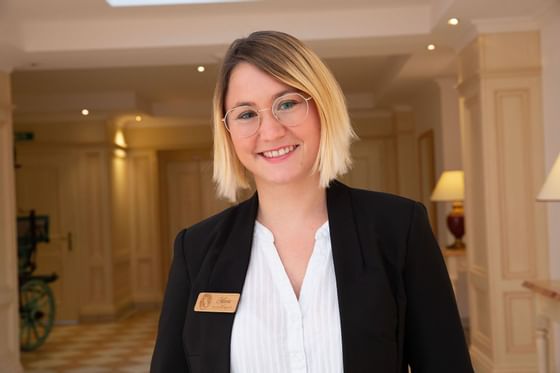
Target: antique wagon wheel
37	309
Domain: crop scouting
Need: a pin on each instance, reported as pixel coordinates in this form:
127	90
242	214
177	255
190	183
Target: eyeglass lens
290	110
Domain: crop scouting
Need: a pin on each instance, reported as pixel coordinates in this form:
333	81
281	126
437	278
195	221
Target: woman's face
275	154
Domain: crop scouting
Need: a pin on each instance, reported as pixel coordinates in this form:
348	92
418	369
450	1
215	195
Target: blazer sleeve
169	355
434	338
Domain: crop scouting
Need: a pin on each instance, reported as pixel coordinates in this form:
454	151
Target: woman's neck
290	206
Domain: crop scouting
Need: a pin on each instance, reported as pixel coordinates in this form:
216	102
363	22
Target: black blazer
396	302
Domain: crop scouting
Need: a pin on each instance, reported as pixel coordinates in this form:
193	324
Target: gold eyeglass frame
259	111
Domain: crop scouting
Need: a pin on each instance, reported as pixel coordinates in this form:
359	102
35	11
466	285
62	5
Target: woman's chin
285	179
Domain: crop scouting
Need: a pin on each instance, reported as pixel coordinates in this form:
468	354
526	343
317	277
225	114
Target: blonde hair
287	59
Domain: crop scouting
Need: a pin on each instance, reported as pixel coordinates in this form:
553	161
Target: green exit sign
23	136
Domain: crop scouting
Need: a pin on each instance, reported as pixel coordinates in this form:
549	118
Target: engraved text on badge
217	302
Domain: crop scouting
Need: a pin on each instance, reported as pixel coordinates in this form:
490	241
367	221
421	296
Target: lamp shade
450	187
551	188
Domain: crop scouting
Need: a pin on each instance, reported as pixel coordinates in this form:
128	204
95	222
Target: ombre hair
287	59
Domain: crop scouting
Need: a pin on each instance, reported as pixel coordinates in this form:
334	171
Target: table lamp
451	188
551	188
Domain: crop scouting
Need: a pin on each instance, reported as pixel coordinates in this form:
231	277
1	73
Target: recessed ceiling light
431	47
453	21
117	3
200	69
85	112
138	118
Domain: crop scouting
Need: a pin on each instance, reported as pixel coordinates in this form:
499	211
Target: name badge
217	302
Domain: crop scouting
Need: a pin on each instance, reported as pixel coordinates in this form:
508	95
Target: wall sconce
120	144
451	188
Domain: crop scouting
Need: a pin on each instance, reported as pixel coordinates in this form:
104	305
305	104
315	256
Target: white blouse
272	330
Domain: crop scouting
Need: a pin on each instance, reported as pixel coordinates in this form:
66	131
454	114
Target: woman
308	275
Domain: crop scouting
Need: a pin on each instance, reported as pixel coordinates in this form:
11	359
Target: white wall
436	107
426	106
550	36
550	39
450	124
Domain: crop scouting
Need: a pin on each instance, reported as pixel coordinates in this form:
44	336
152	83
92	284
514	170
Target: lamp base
458	244
456	225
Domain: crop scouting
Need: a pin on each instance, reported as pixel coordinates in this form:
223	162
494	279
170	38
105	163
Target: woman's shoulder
379	203
217	222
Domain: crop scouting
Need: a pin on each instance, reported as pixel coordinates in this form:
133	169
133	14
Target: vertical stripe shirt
273	331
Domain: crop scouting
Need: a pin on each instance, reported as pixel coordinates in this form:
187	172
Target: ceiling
66	55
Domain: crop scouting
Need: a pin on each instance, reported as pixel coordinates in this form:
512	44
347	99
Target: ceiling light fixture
85	112
138	118
431	47
453	21
122	3
201	69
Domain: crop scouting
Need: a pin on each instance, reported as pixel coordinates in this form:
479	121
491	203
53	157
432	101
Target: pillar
9	318
502	134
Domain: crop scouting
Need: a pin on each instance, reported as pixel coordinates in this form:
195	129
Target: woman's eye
286	105
246	115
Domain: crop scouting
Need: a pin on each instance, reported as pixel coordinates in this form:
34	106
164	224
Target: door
374	165
47	183
189	194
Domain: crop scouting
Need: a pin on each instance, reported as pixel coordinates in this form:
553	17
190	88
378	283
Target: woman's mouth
277	153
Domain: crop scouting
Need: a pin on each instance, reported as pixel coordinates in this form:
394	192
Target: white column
501	110
9	319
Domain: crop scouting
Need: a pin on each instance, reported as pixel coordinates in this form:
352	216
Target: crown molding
499	25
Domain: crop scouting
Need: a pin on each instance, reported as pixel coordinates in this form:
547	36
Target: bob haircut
287	59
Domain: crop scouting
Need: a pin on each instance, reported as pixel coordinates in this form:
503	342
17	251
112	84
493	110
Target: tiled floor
121	347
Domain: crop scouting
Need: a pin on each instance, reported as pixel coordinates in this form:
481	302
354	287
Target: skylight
122	3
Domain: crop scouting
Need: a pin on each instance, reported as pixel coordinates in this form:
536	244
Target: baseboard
98	314
9	363
483	364
147	306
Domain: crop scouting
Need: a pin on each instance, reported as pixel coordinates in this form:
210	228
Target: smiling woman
287	66
317	277
277	145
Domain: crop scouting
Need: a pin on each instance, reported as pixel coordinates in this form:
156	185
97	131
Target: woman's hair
287	59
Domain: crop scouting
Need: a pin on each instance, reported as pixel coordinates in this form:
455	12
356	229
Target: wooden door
188	194
47	183
374	165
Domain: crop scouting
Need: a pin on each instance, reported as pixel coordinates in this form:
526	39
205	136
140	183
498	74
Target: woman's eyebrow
274	97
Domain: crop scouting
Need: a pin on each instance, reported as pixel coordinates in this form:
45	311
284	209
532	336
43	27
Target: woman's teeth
279	152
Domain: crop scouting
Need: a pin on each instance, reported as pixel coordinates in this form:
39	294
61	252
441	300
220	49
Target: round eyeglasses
290	110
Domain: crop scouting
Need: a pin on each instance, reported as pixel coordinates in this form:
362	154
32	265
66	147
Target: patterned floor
121	347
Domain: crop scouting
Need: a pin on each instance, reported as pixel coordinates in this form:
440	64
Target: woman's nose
270	127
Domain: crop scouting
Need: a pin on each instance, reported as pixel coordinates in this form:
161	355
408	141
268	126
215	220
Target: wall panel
513	131
519	319
144	217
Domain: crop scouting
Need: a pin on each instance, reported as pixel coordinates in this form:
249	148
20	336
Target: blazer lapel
224	270
367	307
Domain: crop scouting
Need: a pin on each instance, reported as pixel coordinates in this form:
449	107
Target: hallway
118	347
